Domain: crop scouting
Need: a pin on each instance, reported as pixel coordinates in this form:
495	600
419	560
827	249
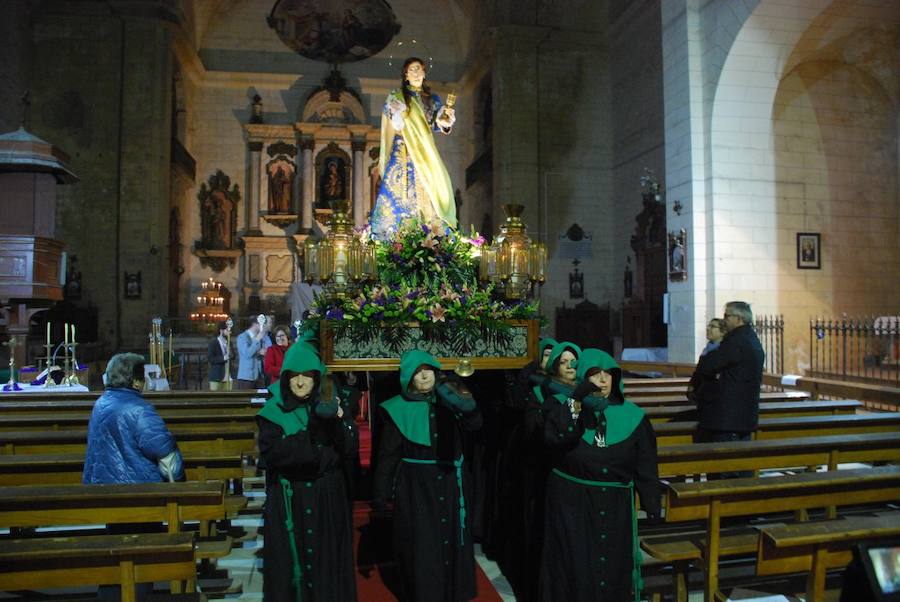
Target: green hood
597	358
557	351
542	345
303	357
300	357
410	362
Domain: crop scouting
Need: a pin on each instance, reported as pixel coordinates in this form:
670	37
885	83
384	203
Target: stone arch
778	161
322	108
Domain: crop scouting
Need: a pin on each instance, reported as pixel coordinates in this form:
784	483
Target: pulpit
31	265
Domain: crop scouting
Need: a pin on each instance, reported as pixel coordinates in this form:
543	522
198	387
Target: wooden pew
186	416
651	383
765	396
733	456
221	439
766	409
711	501
151	396
57	505
817	547
58	469
32	405
97	560
677	433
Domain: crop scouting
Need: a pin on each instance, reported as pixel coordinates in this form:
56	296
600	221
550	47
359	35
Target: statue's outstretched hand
397	109
447	117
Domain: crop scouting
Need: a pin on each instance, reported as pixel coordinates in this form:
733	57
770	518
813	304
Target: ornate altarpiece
318	159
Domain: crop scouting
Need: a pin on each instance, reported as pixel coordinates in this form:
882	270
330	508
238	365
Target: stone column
359	146
255	149
306	213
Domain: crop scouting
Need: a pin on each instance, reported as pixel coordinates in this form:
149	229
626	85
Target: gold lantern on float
513	262
340	261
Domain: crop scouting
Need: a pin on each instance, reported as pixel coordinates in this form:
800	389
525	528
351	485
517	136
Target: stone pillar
359	147
306	214
255	149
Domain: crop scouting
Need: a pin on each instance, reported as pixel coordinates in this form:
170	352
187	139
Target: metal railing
770	330
864	349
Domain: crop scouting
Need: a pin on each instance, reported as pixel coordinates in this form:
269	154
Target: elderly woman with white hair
128	442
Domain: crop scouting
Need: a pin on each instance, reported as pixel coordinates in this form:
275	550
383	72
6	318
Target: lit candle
66	334
73	333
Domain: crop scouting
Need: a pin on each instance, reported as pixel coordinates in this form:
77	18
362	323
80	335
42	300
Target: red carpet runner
372	544
371	541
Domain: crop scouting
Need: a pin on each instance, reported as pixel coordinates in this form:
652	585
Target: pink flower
398	246
429	242
437	313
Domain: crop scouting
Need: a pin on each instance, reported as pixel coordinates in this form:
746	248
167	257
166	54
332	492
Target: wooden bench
668	413
676	433
733	456
220	439
817	547
198	397
60	469
710	501
57	505
663	400
69	419
655	383
31	406
123	560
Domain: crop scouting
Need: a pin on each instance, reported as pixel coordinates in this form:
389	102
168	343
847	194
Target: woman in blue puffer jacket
128	442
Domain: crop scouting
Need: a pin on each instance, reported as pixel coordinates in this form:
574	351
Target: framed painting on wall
809	252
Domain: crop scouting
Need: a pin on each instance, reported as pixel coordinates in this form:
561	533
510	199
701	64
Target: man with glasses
737	366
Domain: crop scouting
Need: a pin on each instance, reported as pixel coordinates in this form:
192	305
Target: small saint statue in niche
218	235
281	180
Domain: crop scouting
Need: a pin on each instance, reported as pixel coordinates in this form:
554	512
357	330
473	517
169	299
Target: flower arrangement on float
426	277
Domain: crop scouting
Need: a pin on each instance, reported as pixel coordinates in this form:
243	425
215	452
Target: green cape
411	415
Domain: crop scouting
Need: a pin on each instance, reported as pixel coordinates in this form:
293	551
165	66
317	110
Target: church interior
168	164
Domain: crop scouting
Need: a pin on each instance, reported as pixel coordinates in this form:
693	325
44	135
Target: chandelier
513	262
340	261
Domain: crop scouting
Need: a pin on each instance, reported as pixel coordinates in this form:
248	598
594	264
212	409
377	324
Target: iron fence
856	348
770	330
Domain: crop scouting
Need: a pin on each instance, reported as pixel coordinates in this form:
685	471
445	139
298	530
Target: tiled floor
243	564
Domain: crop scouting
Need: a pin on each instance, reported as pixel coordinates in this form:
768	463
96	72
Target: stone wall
103	97
16	65
638	125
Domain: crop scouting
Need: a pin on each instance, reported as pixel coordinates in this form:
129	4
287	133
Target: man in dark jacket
737	366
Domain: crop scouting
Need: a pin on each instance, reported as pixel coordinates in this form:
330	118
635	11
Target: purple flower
334	314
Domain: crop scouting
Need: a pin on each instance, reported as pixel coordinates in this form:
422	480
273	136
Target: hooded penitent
621	417
410	411
300	357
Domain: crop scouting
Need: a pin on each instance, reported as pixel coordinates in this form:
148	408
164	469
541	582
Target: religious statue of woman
414	180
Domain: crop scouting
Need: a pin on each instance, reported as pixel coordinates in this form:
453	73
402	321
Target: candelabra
210	303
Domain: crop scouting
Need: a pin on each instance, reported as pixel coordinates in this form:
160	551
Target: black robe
435	556
587	548
315	462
